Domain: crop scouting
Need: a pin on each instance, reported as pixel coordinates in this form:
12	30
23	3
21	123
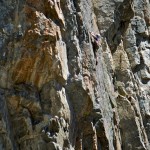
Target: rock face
53	95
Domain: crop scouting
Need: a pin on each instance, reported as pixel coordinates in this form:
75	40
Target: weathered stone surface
53	95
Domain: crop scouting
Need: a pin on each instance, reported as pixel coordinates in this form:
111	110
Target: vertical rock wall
53	96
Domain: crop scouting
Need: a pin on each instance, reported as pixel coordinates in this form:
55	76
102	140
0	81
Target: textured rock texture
53	96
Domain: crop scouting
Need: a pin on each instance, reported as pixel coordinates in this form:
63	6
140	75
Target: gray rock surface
55	95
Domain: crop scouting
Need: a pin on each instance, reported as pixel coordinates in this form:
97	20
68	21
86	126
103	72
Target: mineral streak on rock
55	95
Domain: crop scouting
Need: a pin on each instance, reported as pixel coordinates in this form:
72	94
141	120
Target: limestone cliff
53	95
